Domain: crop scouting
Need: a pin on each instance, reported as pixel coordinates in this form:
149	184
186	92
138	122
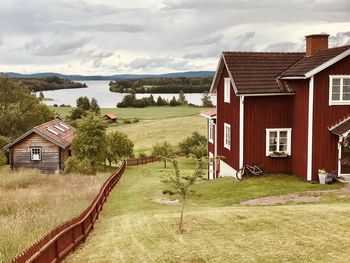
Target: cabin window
278	141
227	90
35	154
227	136
339	87
211	135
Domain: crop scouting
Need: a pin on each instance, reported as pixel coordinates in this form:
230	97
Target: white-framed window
35	154
211	135
278	141
227	136
339	90
227	84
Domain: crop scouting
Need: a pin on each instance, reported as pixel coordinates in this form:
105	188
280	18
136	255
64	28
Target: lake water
106	99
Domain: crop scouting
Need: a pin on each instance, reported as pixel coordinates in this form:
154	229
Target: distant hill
188	74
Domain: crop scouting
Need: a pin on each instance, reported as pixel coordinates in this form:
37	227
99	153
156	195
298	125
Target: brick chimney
315	43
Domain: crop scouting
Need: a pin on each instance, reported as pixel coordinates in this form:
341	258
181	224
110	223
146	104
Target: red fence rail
54	246
149	159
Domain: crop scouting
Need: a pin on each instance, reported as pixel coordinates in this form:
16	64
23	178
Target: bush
174	102
188	144
71	165
86	168
74	165
136	120
3	159
142	154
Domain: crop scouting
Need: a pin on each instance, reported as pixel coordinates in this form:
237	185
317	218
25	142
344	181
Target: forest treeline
50	83
161	85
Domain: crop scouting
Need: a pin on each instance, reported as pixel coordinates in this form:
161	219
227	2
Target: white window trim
289	140
227	146
341	101
210	131
32	155
227	90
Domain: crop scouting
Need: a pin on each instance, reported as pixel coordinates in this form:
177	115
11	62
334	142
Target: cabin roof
111	116
56	131
307	64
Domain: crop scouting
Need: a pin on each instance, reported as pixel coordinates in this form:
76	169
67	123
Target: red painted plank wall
300	107
325	151
229	113
260	113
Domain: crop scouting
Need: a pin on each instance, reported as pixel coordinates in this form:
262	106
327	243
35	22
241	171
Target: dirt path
306	197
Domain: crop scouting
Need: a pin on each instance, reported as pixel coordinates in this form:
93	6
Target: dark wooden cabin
45	147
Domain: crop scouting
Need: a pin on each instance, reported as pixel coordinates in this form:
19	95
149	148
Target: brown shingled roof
307	64
256	72
56	131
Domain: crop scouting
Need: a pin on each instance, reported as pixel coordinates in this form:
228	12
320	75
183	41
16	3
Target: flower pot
322	178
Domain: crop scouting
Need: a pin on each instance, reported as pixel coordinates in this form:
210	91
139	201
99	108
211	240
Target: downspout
310	129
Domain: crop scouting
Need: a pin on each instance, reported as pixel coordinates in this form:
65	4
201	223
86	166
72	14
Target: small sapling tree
162	151
181	185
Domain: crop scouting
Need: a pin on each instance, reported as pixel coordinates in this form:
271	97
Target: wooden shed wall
50	160
325	151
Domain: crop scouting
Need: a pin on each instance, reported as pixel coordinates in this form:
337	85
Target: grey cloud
341	38
95	57
285	47
157	62
55	47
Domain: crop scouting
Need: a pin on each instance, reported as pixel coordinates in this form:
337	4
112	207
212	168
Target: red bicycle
247	170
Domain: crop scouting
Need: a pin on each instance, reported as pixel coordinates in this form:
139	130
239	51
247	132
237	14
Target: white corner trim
310	129
327	64
241	131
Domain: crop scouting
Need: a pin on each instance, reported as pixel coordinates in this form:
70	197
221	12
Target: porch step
344	178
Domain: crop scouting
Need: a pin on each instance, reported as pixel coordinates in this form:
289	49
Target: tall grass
32	204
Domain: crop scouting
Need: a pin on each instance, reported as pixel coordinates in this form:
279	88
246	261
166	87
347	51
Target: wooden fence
54	246
149	159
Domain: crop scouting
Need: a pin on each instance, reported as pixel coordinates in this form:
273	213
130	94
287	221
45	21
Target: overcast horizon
152	37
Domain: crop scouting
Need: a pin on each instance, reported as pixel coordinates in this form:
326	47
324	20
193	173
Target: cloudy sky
150	36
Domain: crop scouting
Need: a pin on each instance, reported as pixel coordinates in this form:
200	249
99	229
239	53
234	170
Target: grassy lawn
144	134
137	226
32	204
143	113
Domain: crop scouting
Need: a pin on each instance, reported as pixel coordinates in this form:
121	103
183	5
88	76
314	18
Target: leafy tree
162	151
173	102
119	147
206	100
94	107
188	145
182	98
77	113
90	139
83	103
20	110
4	141
161	101
181	185
199	151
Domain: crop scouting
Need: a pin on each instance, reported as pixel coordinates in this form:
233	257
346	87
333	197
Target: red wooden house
286	111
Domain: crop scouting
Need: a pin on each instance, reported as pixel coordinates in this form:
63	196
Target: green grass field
148	113
136	225
144	134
